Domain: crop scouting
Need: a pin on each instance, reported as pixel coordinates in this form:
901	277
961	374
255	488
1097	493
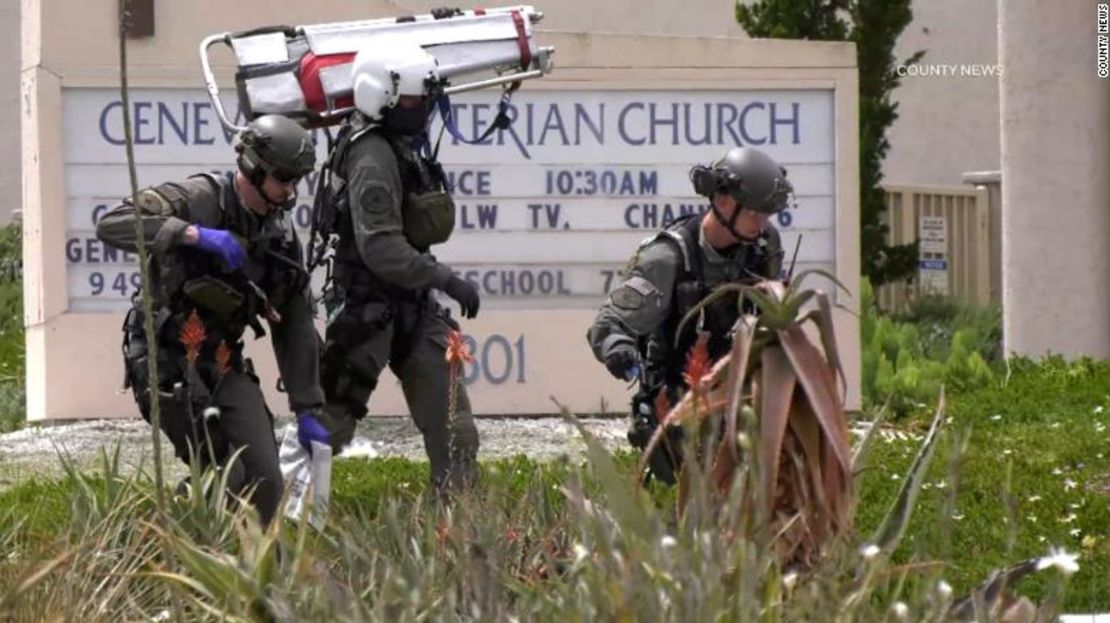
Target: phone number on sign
122	283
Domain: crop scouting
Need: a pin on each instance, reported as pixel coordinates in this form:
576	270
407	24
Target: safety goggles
774	201
285	177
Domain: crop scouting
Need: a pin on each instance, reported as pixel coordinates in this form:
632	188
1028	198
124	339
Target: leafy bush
12	394
939	319
906	359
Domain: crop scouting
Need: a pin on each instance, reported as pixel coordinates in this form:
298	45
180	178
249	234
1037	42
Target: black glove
623	362
465	293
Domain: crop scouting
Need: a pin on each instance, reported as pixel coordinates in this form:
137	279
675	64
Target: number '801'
496	360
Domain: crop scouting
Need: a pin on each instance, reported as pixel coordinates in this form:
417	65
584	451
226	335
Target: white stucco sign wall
548	211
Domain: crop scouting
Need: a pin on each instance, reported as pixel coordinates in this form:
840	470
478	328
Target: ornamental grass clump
577	542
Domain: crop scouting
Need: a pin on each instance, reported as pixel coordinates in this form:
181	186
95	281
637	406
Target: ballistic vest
665	356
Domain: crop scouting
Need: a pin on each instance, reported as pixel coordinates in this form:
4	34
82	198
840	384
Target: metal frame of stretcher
466	42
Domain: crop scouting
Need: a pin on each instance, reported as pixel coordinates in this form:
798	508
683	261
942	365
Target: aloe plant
795	391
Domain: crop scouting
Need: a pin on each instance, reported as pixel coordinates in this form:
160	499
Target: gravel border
33	452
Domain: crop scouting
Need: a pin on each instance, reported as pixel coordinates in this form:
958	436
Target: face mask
406	120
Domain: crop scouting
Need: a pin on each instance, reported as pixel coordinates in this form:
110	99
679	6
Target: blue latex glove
220	242
310	429
623	362
632	373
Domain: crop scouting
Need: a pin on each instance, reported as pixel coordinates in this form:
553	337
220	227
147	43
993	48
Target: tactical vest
189	279
427	211
666	361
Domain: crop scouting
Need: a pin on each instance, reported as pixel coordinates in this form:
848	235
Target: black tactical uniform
214	406
674	270
389	205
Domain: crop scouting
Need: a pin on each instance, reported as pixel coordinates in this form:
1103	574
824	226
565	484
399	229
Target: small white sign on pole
932	265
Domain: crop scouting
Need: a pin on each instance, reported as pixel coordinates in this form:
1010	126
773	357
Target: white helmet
382	74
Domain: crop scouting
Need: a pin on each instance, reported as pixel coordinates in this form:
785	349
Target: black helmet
752	178
276	145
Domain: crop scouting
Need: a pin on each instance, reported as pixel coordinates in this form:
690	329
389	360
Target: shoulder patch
633	293
626	297
153	202
641	285
180	198
376	195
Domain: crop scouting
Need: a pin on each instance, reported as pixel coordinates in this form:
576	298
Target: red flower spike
457	352
697	362
662	405
192	337
223	358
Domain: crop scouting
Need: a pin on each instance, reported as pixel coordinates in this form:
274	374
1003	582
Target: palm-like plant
792	391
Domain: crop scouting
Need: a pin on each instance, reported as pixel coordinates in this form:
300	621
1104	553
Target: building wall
947	125
695	18
1055	182
9	109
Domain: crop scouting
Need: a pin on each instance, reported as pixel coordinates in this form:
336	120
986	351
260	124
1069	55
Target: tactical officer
733	242
224	254
386	200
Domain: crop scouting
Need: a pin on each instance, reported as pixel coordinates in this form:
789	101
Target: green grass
1046	429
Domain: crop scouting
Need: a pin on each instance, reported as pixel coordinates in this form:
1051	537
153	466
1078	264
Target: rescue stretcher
304	72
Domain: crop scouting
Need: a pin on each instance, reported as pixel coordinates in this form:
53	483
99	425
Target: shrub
12	357
905	359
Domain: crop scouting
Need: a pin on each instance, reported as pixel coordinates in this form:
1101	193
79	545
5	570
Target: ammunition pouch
429	218
215	295
428	212
720	316
134	352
